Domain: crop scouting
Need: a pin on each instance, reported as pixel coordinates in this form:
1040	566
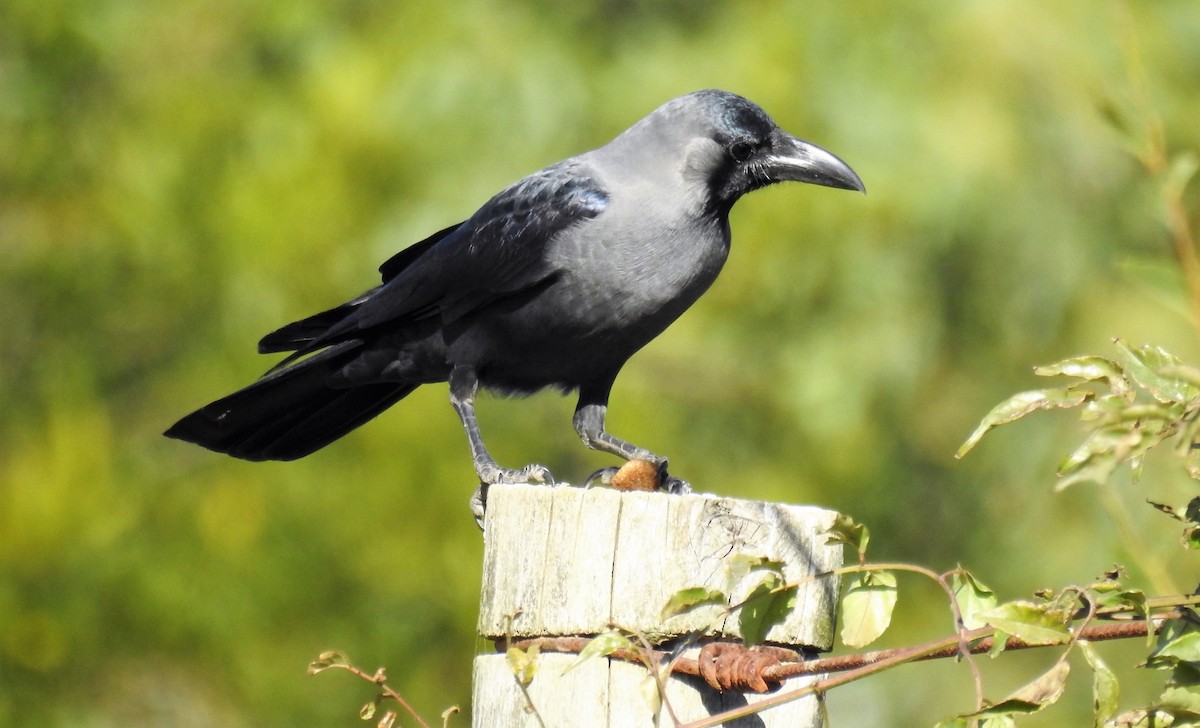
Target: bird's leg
589	423
463	386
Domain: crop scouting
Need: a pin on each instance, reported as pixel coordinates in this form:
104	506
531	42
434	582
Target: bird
555	282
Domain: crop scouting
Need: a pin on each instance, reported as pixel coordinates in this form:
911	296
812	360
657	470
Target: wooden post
569	562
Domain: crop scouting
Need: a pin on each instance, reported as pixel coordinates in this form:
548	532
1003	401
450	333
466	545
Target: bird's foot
675	486
639	475
491	475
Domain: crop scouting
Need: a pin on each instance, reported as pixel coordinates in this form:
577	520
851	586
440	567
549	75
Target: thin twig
379	678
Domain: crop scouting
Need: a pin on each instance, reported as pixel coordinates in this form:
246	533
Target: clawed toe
675	486
533	474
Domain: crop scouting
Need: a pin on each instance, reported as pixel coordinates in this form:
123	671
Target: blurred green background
177	179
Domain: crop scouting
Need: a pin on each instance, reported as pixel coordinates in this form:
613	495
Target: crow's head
728	146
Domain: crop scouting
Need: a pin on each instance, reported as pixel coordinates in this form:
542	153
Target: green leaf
1126	600
867	607
1099	455
1019	405
327	660
1145	365
767	605
846	531
1035	624
687	599
972	596
999	643
1104	407
1105	689
1185	648
523	664
602	645
1032	697
1089	368
367	712
1177	646
1180	700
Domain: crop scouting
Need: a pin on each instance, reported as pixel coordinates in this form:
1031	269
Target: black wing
499	252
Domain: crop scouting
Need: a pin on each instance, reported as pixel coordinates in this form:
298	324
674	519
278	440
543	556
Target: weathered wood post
571	562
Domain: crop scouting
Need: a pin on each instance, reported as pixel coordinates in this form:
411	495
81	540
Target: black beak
796	160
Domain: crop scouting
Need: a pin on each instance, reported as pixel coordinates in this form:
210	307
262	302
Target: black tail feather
288	414
307	331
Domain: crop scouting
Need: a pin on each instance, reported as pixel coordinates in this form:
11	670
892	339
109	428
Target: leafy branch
338	661
983	625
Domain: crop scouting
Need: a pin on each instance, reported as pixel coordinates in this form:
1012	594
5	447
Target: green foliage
972	597
867	607
603	645
1152	398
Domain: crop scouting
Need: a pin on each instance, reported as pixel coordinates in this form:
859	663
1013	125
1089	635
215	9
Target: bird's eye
741	151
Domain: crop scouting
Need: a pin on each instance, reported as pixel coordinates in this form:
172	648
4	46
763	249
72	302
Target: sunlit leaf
846	531
1180	700
367	712
972	596
1019	405
1178	644
602	645
1185	647
1089	368
1036	624
688	599
327	660
1103	407
1099	456
1105	689
867	607
523	663
999	643
1032	697
1145	364
651	694
1126	600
